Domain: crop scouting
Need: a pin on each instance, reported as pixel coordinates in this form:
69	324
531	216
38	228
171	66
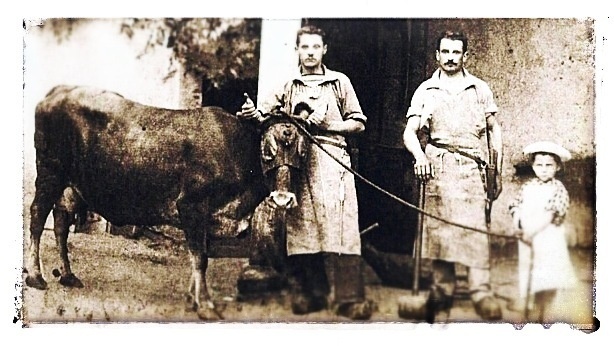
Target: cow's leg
48	190
64	216
198	269
198	289
38	215
193	221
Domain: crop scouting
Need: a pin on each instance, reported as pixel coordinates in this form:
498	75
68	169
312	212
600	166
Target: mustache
451	63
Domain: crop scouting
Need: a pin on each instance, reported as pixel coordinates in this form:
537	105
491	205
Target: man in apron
456	109
325	223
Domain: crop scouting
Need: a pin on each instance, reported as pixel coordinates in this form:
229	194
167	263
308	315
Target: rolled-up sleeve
487	99
418	106
351	106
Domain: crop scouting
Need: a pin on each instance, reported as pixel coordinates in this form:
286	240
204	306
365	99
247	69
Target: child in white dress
538	212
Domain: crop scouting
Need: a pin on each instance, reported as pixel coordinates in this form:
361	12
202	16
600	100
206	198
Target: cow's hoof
209	314
302	304
36	281
190	304
71	280
358	310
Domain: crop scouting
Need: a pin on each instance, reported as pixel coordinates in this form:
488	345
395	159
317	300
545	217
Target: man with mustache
325	225
457	111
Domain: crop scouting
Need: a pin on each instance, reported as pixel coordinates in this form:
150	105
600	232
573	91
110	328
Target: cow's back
132	162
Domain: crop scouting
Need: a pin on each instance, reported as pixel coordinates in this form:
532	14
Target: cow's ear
301	146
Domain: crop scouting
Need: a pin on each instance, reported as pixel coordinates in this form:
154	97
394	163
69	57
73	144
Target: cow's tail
54	138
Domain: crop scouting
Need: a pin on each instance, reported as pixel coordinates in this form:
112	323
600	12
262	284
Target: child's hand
527	238
519	234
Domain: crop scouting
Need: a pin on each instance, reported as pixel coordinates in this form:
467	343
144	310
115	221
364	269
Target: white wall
278	58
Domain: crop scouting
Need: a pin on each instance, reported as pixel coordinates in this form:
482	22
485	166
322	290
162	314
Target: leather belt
327	140
453	150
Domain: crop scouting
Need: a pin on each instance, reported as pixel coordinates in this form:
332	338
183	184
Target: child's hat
547	147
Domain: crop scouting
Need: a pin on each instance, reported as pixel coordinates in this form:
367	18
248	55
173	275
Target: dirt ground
129	280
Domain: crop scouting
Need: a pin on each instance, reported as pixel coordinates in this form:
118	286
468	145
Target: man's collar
327	76
435	80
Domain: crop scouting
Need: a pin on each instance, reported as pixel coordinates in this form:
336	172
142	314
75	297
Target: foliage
62	28
217	49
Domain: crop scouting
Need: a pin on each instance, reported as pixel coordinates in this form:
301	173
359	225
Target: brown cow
140	165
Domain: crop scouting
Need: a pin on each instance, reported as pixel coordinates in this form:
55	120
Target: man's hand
422	168
318	118
248	109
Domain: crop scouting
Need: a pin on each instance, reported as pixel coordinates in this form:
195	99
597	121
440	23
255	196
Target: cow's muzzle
283	199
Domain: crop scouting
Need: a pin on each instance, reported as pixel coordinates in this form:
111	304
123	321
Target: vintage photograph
328	170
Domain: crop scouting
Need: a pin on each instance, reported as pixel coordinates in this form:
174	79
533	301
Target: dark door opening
385	59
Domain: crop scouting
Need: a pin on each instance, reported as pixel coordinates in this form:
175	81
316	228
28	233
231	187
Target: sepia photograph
318	170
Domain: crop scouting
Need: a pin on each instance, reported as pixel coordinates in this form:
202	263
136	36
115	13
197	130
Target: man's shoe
302	304
437	302
357	310
488	309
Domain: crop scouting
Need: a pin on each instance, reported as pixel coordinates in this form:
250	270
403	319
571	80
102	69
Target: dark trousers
308	276
444	277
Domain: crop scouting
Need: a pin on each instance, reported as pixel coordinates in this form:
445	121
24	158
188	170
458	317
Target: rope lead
390	195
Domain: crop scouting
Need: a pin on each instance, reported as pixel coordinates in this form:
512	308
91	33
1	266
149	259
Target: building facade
542	73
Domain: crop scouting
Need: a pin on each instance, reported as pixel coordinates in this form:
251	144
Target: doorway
386	61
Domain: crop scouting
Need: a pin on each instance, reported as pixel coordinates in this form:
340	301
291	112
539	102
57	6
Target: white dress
552	268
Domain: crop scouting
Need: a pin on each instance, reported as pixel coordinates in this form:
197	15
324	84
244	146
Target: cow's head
283	149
